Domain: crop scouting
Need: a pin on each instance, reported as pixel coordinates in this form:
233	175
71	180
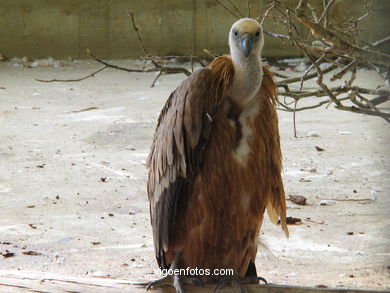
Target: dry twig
73	80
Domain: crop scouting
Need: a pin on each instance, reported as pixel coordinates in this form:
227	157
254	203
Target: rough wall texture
65	28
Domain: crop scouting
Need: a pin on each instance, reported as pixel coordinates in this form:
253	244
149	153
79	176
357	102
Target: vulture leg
252	273
176	281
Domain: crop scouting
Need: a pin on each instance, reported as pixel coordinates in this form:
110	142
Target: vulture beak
246	45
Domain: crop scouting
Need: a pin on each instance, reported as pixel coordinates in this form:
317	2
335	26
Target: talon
162	282
174	281
238	282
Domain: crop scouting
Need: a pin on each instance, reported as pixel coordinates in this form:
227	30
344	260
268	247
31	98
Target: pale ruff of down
247	80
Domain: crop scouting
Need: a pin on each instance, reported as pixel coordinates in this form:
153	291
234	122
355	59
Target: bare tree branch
135	27
74	80
342	46
228	10
350	66
325	14
324	45
235	8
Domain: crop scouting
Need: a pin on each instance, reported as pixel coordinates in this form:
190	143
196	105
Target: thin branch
279	36
192	64
235	8
346	199
318	61
135	27
164	69
164	60
313	12
140	41
350	66
325	13
288	109
308	76
90	53
381	42
74	80
294	118
320	78
354	109
301	94
365	16
300	9
348	35
209	53
267	11
353	76
157	77
227	9
277	74
334	62
378	100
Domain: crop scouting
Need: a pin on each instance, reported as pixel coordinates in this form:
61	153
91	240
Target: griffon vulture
215	164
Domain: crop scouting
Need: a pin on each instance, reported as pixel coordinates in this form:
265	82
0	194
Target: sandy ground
72	183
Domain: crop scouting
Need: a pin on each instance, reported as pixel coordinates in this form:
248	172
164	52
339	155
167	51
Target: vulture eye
257	33
235	33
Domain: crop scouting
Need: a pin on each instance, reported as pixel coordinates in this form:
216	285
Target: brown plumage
214	167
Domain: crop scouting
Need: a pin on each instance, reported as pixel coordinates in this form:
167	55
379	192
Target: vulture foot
162	282
238	281
174	281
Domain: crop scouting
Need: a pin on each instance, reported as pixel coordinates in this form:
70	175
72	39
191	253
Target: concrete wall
66	28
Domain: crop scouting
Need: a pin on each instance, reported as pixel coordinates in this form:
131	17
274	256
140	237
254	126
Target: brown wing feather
276	206
181	136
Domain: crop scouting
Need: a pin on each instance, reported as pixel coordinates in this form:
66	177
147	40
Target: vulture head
246	38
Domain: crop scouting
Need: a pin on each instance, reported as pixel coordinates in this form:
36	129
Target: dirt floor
73	181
